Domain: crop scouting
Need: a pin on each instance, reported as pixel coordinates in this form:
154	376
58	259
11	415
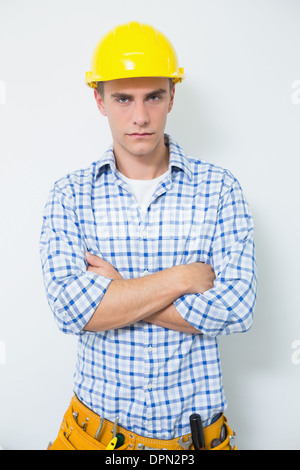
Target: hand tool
141	446
112	444
185	444
84	424
114	429
232	440
120	440
99	428
197	431
215	443
223	434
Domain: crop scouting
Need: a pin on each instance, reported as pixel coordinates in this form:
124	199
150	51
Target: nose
140	114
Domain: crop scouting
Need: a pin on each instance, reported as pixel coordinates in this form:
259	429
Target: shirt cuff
78	300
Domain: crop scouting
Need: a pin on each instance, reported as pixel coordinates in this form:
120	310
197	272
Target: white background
237	108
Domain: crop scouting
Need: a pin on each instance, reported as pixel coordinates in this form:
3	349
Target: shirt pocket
111	223
170	229
172	222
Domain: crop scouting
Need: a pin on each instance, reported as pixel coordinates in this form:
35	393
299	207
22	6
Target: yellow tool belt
81	429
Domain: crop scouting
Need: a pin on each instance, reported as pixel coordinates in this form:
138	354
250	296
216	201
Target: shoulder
77	181
212	175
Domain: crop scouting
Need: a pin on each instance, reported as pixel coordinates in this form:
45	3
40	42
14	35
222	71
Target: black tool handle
197	431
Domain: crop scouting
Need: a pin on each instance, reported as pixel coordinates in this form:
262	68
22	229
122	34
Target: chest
176	227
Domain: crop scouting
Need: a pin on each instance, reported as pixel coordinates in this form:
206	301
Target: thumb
92	259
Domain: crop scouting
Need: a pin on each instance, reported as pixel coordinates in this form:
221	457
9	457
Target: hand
198	277
101	267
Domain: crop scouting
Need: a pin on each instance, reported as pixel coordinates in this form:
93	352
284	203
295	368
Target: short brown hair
100	88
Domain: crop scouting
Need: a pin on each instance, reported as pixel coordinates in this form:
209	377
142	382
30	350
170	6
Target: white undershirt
143	189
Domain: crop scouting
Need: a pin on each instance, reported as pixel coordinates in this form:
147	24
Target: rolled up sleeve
228	307
73	293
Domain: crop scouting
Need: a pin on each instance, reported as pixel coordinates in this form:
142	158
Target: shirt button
149	387
149	348
146	272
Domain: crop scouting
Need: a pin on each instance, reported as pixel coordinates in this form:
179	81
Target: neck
142	166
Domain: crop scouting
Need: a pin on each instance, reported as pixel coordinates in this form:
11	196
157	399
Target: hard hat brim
92	81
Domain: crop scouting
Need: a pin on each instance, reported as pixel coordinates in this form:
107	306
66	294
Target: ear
100	103
172	99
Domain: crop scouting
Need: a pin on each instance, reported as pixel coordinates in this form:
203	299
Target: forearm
228	307
127	301
170	318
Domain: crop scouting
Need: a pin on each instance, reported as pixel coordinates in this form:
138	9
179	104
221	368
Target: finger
93	259
93	269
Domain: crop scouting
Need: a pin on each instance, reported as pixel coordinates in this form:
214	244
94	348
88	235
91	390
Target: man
148	256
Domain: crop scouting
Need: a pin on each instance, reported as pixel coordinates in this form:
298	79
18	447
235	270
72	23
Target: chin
140	148
141	152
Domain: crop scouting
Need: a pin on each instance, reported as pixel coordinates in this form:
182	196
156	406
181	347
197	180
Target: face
137	110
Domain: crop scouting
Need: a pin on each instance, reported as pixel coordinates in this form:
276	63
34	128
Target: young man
148	256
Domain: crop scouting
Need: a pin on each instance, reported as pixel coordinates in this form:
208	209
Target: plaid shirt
152	378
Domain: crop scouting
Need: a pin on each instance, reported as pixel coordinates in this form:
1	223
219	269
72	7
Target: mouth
140	135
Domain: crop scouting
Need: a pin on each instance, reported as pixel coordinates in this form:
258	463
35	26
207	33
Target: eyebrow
159	91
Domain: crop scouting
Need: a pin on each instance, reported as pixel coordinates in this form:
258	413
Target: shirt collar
178	159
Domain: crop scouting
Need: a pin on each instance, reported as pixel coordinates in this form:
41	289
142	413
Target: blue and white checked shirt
151	377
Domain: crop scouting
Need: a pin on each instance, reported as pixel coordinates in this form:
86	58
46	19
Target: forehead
136	85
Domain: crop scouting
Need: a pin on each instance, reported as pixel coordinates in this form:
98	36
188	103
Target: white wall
237	108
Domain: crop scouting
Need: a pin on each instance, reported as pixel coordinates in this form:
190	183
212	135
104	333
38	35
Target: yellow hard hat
133	50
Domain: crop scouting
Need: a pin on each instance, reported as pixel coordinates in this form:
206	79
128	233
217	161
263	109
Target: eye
123	100
154	98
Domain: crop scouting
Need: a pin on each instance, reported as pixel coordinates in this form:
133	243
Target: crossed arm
186	298
147	298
